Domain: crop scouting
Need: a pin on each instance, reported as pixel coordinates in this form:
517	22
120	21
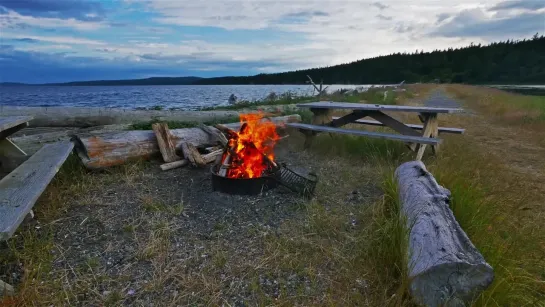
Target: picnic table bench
27	179
418	137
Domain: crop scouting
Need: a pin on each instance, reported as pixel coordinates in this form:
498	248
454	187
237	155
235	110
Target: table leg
11	155
430	127
395	125
321	117
435	134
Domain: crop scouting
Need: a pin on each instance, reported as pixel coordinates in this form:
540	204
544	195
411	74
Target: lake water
187	97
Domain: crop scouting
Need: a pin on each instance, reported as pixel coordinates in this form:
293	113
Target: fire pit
247	166
242	186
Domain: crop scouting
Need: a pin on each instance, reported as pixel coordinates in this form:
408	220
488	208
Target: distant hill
12	84
147	81
509	62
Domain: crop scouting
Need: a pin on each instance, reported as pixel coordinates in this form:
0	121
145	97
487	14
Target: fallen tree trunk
32	139
445	268
115	148
95	116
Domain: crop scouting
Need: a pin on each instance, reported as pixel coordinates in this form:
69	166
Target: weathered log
445	268
32	139
192	154
215	133
208	158
164	140
173	165
115	148
93	116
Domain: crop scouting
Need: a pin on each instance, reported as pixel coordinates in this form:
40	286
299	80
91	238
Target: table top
12	121
376	107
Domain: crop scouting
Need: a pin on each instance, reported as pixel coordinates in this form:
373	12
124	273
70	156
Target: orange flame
252	146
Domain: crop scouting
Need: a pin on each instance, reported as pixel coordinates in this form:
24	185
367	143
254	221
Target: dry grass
348	245
497	179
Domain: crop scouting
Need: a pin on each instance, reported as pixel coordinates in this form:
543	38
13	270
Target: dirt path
438	98
520	151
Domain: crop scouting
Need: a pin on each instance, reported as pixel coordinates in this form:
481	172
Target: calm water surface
188	97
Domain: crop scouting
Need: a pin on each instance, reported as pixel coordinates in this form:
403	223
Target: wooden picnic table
24	178
417	136
11	154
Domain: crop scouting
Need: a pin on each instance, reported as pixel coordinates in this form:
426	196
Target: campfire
247	165
249	153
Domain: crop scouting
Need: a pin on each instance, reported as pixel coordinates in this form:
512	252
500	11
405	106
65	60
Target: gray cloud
403	28
380	16
307	14
27	40
379	5
442	17
520	4
474	23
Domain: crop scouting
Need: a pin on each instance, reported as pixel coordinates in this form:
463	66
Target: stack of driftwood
99	151
191	154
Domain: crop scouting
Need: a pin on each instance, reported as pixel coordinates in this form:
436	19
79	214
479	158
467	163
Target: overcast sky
66	40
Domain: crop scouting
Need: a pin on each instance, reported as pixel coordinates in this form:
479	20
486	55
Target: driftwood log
192	154
208	158
165	142
115	148
94	116
445	268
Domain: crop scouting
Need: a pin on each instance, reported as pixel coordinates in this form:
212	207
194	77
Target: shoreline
100	116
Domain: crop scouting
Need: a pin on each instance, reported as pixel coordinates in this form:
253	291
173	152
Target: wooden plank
396	125
12	121
349	118
20	189
379	135
165	142
430	125
416	127
376	107
393	123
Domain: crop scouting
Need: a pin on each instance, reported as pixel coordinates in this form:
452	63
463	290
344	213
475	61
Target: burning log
164	140
445	268
115	148
249	153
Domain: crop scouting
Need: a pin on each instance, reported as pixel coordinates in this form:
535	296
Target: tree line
505	62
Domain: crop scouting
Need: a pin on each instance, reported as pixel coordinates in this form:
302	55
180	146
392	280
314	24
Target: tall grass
507	107
484	201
